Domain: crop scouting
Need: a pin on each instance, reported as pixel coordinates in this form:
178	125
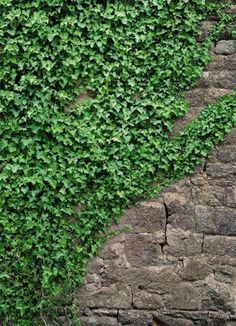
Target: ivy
89	92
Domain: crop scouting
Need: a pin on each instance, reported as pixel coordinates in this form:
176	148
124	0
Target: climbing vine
89	92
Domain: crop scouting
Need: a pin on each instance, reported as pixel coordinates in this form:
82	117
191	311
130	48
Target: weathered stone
220	220
219	79
142	250
231	197
149	217
135	318
210	195
185	297
99	321
95	265
105	312
225	274
222	62
200	97
107	297
227	154
219	170
218	296
145	300
93	282
230	139
225	47
158	280
161	320
220	245
195	268
187	222
177	203
182	243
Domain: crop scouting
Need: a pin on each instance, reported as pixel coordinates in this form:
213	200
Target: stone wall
177	267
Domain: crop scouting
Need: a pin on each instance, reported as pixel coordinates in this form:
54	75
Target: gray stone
182	243
142	250
220	245
221	63
185	297
225	47
162	320
219	79
157	279
148	217
145	300
107	297
135	318
195	268
99	321
215	220
200	97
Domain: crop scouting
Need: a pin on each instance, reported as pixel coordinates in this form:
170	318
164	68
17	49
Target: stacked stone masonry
177	267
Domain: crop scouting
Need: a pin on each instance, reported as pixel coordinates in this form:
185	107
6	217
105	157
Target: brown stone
99	321
142	250
220	245
219	170
145	300
195	268
157	279
200	97
215	220
182	243
107	297
227	154
222	62
149	217
162	320
134	318
219	79
185	297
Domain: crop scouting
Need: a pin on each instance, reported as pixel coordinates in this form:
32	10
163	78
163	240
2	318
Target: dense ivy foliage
89	91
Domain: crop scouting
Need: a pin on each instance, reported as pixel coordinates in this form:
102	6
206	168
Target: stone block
149	217
159	280
222	62
227	154
218	296
135	318
200	97
142	250
220	170
145	300
220	245
177	202
162	320
99	321
107	297
182	243
225	47
219	79
215	220
185	297
195	268
210	195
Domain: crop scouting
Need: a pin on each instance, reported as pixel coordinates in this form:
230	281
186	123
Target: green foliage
89	91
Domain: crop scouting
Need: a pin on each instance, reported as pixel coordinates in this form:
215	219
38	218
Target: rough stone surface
177	265
226	47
